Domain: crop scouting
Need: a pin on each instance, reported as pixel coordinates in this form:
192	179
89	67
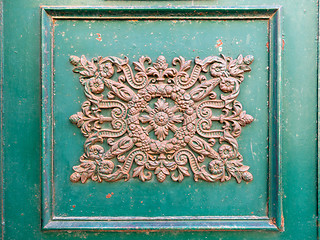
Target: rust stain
282	221
267	45
73	206
283	43
219	43
99	37
108	195
133	21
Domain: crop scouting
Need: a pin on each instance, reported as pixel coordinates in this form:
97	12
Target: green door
159	120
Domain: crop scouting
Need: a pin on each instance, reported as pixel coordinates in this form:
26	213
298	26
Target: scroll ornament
159	120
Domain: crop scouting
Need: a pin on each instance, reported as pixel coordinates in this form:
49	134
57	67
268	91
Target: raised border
274	220
318	122
1	124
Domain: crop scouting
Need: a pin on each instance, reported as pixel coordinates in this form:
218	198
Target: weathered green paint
297	91
164	202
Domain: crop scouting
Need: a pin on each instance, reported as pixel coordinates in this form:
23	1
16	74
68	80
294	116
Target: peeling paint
99	37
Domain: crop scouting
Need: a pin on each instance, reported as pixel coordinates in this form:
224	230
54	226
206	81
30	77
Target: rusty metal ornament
161	119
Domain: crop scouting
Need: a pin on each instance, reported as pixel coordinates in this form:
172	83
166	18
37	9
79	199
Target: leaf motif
245	68
240	59
184	65
125	143
207	61
120	90
236	175
84	177
83	61
234	163
145	118
116	60
138	67
236	129
85	73
165	171
152	71
184	170
123	92
79	169
121	146
153	163
230	139
137	171
170	165
177	118
92	67
170	72
78	69
158	169
177	179
244	168
203	90
202	147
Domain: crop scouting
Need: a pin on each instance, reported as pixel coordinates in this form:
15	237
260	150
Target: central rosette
162	118
172	110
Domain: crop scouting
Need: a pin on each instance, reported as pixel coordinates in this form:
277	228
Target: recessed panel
160	119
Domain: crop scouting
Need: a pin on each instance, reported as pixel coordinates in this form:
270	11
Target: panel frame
274	220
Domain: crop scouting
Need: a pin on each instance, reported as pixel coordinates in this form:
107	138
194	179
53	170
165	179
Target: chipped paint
99	37
219	43
109	195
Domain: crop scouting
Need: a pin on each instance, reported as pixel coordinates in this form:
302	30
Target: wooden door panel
43	196
161	194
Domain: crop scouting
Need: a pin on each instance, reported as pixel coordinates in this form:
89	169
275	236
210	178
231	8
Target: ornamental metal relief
161	121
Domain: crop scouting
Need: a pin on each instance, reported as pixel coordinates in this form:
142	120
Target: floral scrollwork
160	119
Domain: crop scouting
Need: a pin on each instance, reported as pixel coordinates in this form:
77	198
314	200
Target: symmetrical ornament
161	119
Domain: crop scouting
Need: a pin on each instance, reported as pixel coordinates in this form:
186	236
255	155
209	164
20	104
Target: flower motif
162	118
216	167
106	70
106	166
219	69
225	151
226	85
96	85
96	151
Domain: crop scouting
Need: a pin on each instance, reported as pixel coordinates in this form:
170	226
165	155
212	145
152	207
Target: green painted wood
297	91
109	217
1	122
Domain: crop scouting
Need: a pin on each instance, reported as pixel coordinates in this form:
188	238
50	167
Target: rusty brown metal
164	135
